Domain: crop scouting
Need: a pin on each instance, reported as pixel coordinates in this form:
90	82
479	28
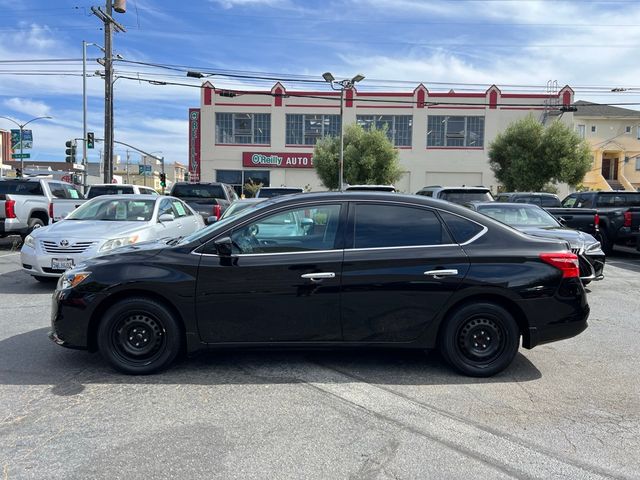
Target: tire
139	336
32	225
42	279
481	322
607	244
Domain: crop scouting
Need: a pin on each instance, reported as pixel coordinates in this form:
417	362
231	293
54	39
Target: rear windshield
463	196
619	200
198	191
108	190
20	188
275	192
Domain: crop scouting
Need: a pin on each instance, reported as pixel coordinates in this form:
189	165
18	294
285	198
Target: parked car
534	220
207	199
30	203
618	215
101	225
118	189
240	205
541	199
586	220
370	188
363	270
268	192
460	195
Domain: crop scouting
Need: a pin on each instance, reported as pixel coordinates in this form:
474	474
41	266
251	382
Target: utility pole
109	25
128	166
84	116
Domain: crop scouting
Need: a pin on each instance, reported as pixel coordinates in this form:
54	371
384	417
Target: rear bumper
12	226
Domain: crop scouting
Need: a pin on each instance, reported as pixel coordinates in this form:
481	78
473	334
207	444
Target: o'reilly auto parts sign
277	160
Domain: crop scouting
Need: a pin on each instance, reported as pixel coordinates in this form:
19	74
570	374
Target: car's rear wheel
139	336
480	339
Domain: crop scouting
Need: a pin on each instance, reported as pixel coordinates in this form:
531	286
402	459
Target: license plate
61	263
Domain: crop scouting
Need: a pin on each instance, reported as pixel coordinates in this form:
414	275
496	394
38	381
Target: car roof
542	194
118	185
135	196
434	188
280	188
505	204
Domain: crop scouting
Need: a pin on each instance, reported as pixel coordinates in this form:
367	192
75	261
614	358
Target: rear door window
20	188
57	190
461	228
380	225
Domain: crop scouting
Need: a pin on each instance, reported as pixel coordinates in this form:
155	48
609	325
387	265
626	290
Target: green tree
528	156
369	158
250	188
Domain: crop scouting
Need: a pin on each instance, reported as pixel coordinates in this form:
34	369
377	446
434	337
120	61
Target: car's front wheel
479	339
139	336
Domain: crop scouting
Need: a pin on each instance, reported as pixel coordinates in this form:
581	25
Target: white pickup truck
28	203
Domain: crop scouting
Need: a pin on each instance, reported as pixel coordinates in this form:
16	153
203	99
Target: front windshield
223	222
519	216
114	210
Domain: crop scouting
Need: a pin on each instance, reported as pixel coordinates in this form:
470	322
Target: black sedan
533	220
328	270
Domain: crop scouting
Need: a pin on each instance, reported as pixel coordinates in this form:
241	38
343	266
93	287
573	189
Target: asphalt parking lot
569	409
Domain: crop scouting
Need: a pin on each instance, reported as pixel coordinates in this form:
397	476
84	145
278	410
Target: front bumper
39	263
71	313
591	265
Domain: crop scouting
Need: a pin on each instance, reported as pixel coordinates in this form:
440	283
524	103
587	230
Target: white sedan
103	224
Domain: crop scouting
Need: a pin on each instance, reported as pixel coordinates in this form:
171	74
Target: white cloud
243	3
28	107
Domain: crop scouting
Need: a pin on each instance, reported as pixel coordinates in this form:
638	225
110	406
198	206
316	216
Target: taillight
217	211
627	219
596	220
10	209
51	212
567	262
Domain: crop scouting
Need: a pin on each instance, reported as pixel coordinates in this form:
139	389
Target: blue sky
590	45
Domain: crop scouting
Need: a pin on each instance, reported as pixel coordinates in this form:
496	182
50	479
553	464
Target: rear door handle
318	277
442	273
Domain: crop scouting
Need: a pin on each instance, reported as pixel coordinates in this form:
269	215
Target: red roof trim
383	94
225	104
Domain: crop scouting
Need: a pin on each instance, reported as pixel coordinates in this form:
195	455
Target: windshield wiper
175	241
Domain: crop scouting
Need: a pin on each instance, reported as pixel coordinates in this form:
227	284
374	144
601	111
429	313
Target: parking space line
9	254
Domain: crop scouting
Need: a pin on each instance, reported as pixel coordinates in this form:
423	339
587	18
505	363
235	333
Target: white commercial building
442	137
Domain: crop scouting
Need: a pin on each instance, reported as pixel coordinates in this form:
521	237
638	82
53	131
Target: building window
637	163
627	129
243	128
398	127
307	129
237	178
445	131
581	129
593	129
638	132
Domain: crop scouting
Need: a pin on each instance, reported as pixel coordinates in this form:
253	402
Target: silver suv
459	195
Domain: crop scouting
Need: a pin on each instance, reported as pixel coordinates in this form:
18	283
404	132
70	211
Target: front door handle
442	273
318	277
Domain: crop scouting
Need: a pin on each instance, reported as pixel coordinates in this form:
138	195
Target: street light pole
343	85
21	127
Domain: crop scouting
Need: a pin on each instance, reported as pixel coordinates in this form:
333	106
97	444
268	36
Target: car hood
142	250
576	238
89	229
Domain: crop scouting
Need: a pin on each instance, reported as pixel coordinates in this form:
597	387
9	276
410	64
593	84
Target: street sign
78	166
144	170
20	155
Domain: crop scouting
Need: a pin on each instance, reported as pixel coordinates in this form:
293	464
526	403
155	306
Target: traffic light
186	176
18	173
90	139
163	180
70	151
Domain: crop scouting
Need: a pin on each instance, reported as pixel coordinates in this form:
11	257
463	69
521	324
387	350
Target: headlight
592	247
71	279
29	241
118	242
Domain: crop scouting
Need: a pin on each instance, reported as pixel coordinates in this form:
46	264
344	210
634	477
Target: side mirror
224	246
307	224
166	217
212	219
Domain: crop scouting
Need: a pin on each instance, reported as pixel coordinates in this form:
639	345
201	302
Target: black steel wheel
139	336
479	339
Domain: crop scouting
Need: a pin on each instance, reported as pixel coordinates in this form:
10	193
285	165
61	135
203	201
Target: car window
196	190
378	225
179	209
71	192
502	198
548	201
426	193
148	191
462	196
20	187
462	229
166	207
97	190
293	230
569	202
57	190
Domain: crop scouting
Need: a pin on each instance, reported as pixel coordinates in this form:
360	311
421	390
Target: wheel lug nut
130	338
